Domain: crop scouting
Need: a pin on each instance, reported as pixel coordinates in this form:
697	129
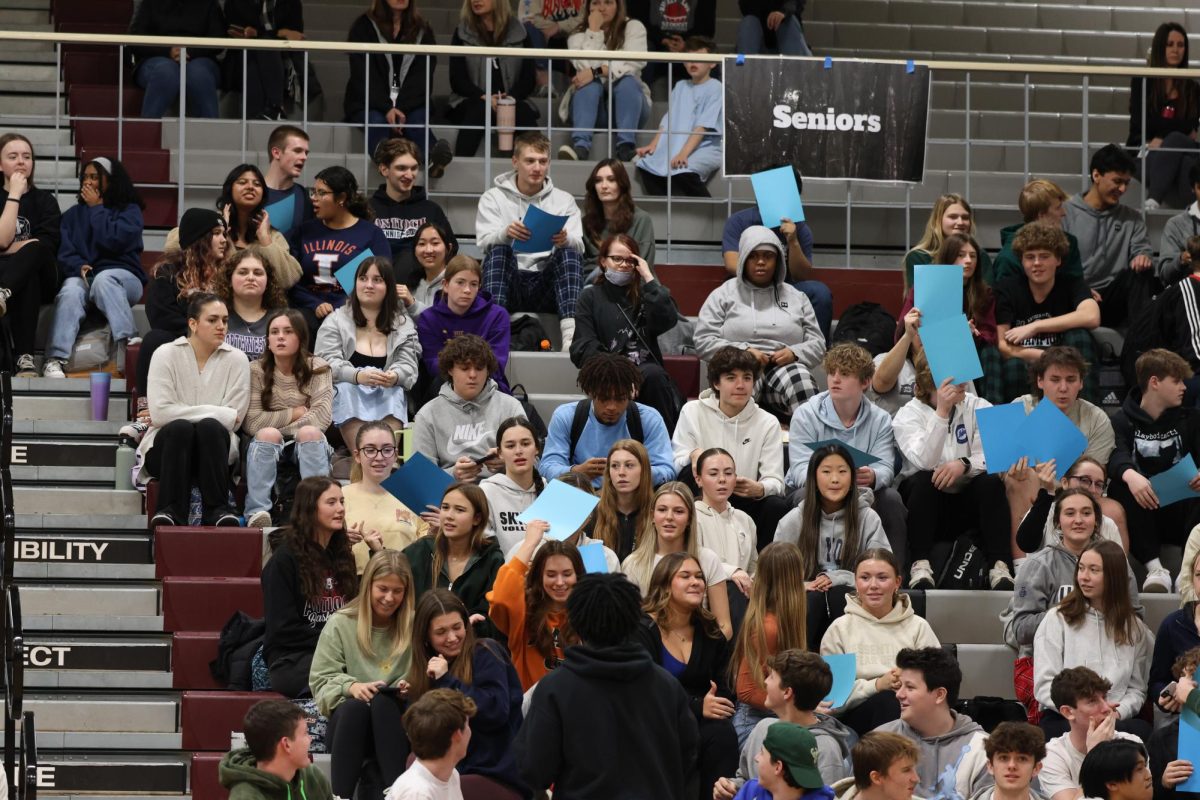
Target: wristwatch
966	462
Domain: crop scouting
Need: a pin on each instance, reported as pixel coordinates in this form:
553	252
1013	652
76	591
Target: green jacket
240	774
1007	263
338	662
471	587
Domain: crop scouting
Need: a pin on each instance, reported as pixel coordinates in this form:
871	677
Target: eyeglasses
1087	483
623	261
317	194
372	452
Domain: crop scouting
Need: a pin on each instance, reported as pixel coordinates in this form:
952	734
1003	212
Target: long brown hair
1159	88
434	603
222	281
412	24
303	370
537	607
607	529
312	562
633	290
977	295
614	37
479	502
658	595
391	311
1120	623
501	14
810	518
779	591
196	267
594	221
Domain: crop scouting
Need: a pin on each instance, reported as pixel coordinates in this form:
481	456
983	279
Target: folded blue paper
844	667
593	558
997	428
563	506
345	274
1048	433
542	227
937	292
777	196
1171	486
859	457
282	212
950	349
419	483
1189	744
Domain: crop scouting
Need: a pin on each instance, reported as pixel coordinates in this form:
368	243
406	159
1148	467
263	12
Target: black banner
91	550
851	120
113	776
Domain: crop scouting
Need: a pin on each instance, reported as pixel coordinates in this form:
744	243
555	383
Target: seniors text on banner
845	120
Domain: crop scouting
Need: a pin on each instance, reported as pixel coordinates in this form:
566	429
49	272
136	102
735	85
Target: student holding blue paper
341	233
1170	766
369	505
287	200
1153	431
950	214
372	347
243	204
683	637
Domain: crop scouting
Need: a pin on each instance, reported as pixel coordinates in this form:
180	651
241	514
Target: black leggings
184	453
718	753
685	184
934	515
358	731
470	112
823	609
31	275
660	393
878	709
1150	530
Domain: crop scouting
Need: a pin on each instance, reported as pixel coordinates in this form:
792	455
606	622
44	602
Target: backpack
530	410
868	325
966	567
991	711
241	637
93	348
633	421
526	333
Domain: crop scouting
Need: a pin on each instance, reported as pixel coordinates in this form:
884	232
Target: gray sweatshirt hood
754	238
943	755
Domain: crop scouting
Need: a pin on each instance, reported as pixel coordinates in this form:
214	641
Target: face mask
618	278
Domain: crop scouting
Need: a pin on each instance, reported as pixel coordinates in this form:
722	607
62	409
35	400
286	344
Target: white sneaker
26	368
1158	581
259	519
1151	204
53	368
921	575
1000	577
567	327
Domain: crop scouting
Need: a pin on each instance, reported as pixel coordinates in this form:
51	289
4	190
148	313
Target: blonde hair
932	239
641	560
500	16
778	591
1037	197
383	564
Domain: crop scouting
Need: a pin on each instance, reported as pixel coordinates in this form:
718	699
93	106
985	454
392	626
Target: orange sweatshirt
507	610
747	691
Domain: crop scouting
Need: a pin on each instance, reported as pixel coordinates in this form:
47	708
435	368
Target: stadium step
209	717
84	555
97	662
205	604
112	776
63	501
182	552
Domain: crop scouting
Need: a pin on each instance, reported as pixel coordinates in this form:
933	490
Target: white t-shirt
418	783
714	571
1060	769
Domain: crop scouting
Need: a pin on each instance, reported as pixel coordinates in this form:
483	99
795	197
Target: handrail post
1026	122
245	82
1085	146
967	141
121	102
180	160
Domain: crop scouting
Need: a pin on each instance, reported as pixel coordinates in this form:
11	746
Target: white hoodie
875	642
926	440
504	204
506	501
831	538
730	534
752	437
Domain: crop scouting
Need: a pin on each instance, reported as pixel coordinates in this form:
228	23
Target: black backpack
526	333
531	413
991	711
868	325
633	421
241	637
966	567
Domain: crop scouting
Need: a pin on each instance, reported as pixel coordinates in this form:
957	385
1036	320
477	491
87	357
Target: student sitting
1168	324
769	25
1176	635
1045	202
365	647
796	684
1081	697
580	538
1165	763
1117	771
685	639
1038	528
944	481
1015	754
243	204
1042	310
691	150
549	280
885	768
608	209
99	258
1153	432
950	214
369	506
438	727
894	381
1058	376
251	293
787	767
1096	624
760	313
158	69
462	309
291	403
1175	262
719	526
457	430
264	77
842	413
287	153
275	756
1112	237
401	207
726	416
953	762
626	497
513	489
582	433
624	311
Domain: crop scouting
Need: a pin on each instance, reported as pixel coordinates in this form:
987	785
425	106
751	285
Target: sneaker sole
1155	589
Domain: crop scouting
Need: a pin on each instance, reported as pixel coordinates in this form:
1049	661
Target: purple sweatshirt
438	325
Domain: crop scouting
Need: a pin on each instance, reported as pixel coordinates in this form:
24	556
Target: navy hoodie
322	251
288	208
399	221
1151	446
1176	635
102	237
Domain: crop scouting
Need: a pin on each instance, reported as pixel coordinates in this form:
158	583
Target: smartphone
1168	691
484	457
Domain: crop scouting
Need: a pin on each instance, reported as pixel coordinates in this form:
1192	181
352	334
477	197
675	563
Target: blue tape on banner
910	67
828	62
741	60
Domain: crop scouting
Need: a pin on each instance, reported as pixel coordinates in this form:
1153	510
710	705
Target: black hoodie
1151	446
608	723
399	221
173	19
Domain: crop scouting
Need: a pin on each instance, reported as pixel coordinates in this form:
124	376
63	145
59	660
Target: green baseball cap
796	747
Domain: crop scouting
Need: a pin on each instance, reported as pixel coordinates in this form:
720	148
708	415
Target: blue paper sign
950	349
282	213
1172	486
998	428
777	196
593	558
419	483
1189	745
1049	434
937	292
345	274
563	506
542	227
859	457
845	668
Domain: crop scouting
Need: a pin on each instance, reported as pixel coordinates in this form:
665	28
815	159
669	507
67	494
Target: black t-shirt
1015	305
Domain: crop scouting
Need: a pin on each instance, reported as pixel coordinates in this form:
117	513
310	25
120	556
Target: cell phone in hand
1168	691
484	457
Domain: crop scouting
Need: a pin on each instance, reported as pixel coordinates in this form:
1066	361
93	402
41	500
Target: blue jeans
159	76
589	107
414	128
262	466
745	717
789	37
821	298
114	291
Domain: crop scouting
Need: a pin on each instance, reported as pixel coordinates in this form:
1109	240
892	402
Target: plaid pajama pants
552	289
781	390
1016	372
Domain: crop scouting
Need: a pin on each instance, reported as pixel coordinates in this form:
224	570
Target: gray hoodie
817	420
449	427
742	315
953	765
506	501
504	204
834	742
987	792
1108	240
1176	232
832	538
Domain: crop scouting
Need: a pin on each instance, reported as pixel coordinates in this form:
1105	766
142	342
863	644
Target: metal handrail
14	677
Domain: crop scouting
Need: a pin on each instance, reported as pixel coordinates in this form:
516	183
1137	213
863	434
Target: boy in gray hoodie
274	764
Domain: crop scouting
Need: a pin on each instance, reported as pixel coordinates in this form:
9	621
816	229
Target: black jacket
399	221
1170	322
164	310
471	587
38	217
1176	635
412	88
603	316
176	18
608	723
707	664
1152	446
282	14
293	621
1164	748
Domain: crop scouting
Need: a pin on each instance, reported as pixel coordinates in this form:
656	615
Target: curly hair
727	360
1040	236
194	269
537	606
467	349
609	376
312	562
222	282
